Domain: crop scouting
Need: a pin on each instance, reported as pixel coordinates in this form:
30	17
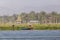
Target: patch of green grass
35	27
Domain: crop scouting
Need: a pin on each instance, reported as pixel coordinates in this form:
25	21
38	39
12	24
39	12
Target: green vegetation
42	17
35	26
47	26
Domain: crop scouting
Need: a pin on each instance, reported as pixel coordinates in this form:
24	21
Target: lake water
30	35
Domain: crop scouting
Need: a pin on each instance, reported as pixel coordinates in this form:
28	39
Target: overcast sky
9	7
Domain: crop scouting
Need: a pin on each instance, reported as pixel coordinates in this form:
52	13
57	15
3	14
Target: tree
54	17
32	15
42	16
24	17
15	16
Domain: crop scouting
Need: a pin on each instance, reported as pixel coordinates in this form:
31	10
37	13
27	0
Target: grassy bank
35	26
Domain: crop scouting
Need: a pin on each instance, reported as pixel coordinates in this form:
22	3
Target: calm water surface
30	35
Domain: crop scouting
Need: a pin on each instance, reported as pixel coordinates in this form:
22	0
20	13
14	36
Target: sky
9	7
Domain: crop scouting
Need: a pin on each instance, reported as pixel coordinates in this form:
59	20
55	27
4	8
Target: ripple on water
34	34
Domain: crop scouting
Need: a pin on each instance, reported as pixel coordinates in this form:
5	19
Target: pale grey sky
8	7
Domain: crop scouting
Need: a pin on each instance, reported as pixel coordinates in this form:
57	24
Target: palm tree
54	17
42	16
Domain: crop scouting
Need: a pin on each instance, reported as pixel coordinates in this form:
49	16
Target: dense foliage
42	17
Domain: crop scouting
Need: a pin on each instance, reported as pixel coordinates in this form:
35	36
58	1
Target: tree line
42	17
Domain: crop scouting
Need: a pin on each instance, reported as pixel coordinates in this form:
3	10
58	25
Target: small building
33	21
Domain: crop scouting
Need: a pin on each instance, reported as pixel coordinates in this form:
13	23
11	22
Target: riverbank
35	26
